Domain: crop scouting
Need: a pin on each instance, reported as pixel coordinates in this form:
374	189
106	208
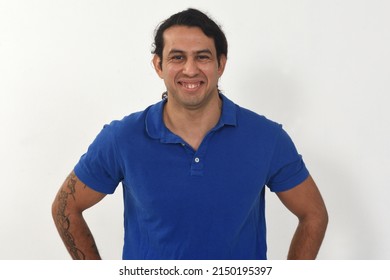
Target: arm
72	199
306	203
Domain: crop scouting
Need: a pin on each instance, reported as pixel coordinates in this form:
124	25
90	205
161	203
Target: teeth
191	86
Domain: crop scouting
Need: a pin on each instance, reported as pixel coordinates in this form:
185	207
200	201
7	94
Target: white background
321	68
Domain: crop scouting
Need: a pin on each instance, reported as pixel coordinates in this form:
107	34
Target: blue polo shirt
185	204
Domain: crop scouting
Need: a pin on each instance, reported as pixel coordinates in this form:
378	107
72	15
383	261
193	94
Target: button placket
198	158
197	166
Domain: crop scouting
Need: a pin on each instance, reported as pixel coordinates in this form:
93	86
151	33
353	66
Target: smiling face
189	67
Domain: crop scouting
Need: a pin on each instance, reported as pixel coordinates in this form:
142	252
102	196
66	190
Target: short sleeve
99	168
287	168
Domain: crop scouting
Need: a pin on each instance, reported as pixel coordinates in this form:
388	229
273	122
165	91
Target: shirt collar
156	128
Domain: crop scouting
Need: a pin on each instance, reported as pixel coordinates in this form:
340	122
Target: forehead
187	39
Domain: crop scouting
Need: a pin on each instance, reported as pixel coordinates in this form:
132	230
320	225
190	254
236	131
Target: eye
203	57
177	57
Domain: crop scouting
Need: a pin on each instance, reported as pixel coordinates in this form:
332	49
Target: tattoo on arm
63	221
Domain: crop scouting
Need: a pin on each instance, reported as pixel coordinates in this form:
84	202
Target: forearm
307	239
70	222
76	236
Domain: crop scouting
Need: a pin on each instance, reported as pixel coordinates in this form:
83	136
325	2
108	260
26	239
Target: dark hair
191	18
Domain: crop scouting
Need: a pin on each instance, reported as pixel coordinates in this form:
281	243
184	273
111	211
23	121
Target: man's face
189	68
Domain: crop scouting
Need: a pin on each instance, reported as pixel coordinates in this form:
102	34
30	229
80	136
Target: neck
192	125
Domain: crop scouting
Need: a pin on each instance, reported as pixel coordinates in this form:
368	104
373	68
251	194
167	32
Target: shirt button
197	159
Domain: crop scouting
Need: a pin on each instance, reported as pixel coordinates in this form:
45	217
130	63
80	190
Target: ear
157	65
221	65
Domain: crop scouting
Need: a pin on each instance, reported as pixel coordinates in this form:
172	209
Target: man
193	167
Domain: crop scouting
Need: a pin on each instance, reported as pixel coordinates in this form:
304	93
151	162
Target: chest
169	178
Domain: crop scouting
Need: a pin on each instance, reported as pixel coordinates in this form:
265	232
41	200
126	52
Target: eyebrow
176	51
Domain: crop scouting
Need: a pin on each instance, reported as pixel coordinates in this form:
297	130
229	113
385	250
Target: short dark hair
191	18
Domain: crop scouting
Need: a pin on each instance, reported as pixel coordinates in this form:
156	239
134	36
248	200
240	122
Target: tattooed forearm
62	218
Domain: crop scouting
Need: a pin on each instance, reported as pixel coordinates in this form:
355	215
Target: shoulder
132	123
244	118
249	119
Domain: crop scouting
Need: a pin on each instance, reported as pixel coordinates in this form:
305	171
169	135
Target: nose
190	67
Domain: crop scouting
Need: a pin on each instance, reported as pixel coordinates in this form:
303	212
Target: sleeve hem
92	183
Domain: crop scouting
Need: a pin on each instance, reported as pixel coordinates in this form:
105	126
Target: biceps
304	199
75	195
